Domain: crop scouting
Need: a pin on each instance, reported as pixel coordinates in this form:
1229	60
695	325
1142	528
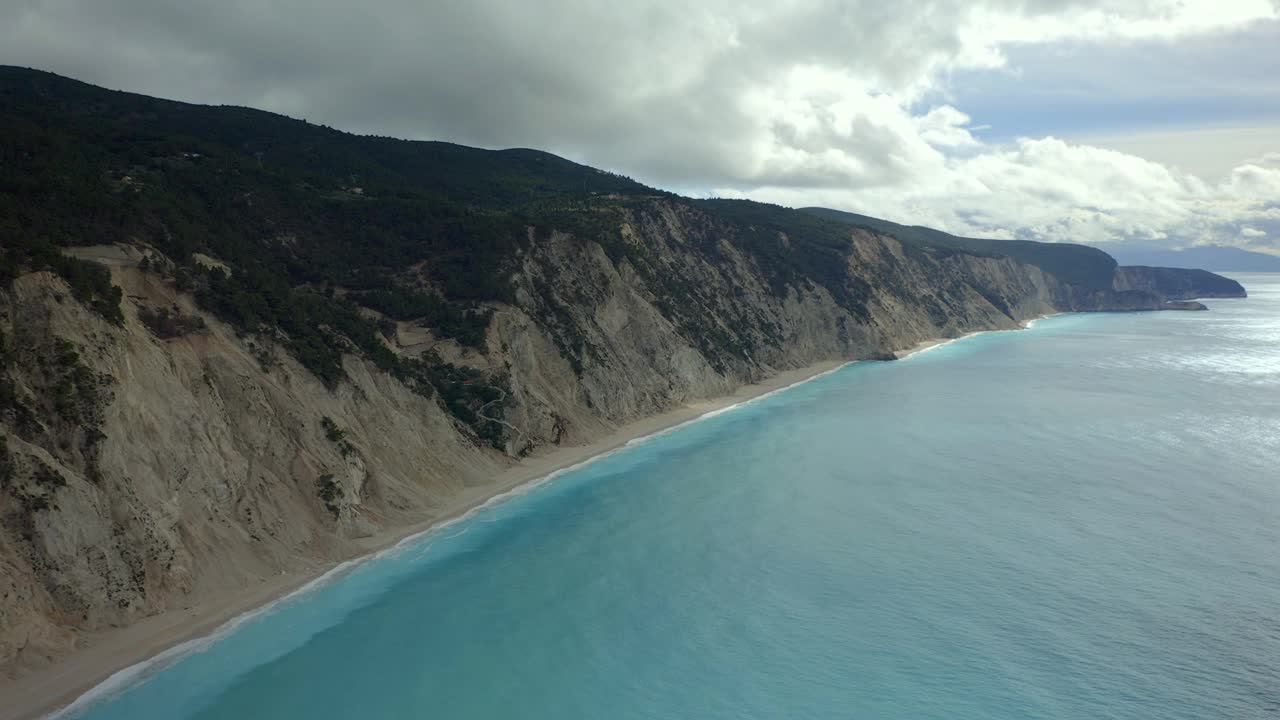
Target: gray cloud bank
796	101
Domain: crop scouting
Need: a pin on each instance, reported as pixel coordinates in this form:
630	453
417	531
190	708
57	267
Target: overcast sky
1154	121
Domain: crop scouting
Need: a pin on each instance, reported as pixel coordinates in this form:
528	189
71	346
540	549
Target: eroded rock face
140	470
1176	283
209	470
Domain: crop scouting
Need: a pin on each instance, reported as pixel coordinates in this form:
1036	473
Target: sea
1077	520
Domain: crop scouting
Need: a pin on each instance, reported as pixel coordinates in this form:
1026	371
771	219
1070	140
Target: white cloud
996	26
1047	189
1248	232
1206	152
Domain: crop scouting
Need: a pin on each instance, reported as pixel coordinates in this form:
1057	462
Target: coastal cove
238	349
114	657
891	539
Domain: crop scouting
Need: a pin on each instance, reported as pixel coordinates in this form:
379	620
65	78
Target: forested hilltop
320	223
1077	264
232	343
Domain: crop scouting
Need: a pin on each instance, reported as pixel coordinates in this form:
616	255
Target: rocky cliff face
147	463
1175	283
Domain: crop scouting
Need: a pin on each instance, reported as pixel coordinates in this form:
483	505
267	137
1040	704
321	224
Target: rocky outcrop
145	464
197	467
1176	283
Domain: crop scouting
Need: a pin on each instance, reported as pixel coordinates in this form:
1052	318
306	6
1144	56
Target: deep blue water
1081	520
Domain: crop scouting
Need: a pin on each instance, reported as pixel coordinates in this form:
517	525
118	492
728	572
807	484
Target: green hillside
321	227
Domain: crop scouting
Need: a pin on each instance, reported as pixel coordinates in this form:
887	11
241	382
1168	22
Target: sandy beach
935	342
921	347
43	692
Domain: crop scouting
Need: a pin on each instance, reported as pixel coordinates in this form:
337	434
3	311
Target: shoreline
932	343
115	657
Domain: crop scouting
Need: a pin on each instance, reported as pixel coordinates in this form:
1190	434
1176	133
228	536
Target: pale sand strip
44	691
935	342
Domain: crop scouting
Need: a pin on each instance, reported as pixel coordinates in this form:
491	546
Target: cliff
143	468
227	363
1176	283
1097	281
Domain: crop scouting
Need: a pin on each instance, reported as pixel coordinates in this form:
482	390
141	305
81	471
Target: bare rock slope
142	467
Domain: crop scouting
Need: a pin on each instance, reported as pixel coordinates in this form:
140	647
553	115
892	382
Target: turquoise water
1076	521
